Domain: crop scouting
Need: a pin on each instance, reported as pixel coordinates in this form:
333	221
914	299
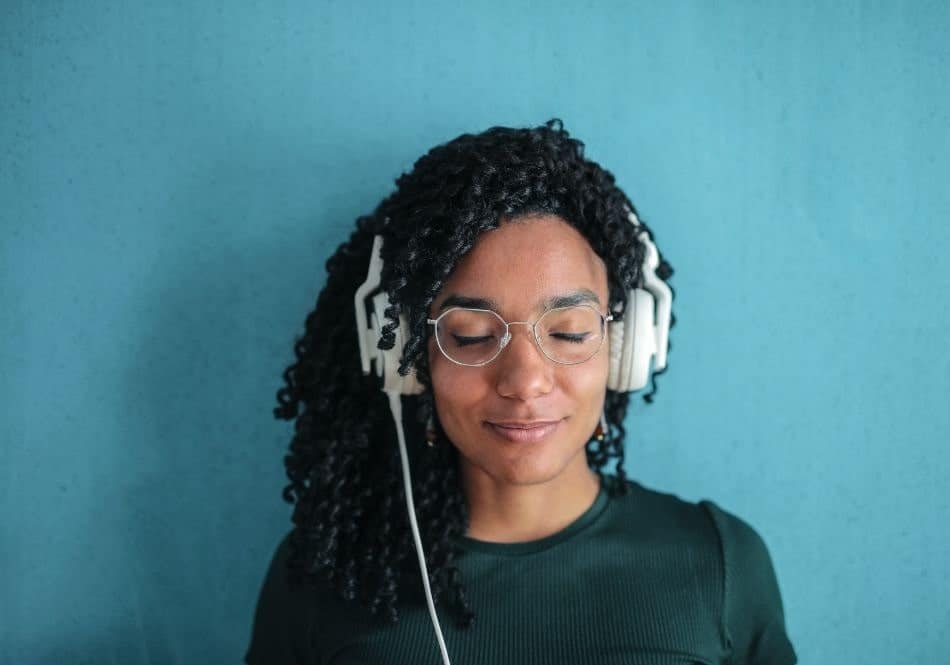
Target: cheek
455	388
588	381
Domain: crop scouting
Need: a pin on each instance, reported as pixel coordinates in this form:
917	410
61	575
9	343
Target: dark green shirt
641	579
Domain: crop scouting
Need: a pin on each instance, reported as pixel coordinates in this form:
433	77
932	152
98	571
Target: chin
527	470
531	476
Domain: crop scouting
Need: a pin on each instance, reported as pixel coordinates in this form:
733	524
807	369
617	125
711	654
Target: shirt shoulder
736	570
752	612
658	517
282	630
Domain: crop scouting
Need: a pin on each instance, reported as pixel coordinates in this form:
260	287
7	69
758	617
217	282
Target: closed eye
468	341
576	338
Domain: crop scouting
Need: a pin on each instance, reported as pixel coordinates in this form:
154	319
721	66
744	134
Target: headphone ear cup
643	347
632	343
387	360
615	333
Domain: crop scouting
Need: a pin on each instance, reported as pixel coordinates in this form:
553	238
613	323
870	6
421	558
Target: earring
602	428
430	432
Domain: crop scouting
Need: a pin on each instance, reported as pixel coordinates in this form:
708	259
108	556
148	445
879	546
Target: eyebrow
465	301
579	297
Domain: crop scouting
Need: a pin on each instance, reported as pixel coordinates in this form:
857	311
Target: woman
506	291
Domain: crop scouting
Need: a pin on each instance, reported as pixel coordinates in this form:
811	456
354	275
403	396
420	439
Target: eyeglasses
475	337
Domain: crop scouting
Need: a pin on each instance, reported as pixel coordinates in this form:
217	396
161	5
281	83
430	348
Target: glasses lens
470	336
571	335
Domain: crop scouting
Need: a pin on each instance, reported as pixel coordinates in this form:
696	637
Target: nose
522	370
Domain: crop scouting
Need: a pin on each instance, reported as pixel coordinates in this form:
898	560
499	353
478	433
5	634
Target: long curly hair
351	532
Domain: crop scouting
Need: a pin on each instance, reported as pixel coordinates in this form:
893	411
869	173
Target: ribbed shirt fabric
640	579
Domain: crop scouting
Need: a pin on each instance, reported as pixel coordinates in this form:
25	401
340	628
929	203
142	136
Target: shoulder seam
711	511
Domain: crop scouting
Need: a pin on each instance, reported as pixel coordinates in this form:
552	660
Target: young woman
514	302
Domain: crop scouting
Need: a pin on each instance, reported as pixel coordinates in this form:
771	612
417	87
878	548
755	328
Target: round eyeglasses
475	337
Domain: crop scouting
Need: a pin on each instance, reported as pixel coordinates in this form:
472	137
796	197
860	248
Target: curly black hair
351	531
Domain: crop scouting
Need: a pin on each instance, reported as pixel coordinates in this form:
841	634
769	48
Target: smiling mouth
524	432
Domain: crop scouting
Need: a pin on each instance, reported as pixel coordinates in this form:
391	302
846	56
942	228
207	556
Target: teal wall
173	177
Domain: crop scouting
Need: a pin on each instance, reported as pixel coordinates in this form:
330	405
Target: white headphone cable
395	406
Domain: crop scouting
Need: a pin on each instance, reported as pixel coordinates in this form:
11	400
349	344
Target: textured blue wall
173	177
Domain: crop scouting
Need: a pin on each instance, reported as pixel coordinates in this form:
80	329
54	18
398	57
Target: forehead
526	262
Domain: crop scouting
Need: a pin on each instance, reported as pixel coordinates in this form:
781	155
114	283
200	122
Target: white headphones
635	340
640	337
643	333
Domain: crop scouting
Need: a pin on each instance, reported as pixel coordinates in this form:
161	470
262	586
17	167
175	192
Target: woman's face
522	419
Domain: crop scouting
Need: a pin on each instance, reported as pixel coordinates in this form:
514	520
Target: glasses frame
506	338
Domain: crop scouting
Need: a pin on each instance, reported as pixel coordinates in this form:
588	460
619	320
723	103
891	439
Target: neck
504	512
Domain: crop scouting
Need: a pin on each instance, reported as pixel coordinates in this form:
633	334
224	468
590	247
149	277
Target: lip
521	431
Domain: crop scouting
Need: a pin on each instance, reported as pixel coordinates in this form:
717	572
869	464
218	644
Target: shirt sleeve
753	616
282	632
